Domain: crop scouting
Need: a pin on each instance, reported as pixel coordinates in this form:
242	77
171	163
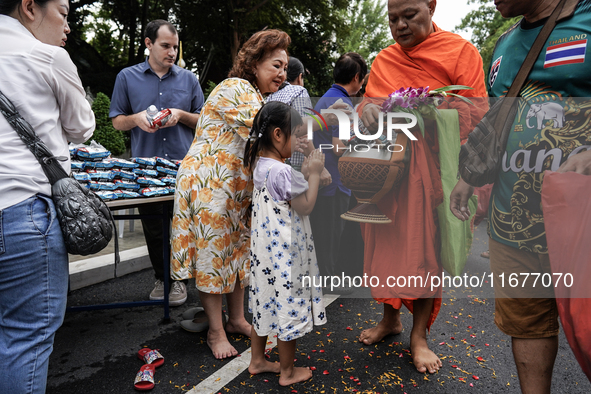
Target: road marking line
214	383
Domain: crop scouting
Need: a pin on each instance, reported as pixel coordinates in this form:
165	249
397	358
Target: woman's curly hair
255	49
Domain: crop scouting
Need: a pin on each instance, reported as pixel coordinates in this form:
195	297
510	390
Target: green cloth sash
456	236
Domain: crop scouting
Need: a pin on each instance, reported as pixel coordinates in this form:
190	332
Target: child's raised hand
315	162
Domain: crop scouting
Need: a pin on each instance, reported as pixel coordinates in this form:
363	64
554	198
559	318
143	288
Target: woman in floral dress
210	226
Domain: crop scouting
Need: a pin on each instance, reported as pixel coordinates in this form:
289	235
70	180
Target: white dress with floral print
211	220
283	268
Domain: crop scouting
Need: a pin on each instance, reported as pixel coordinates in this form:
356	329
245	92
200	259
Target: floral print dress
283	268
211	221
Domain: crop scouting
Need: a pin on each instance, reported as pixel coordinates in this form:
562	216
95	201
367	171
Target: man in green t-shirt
550	132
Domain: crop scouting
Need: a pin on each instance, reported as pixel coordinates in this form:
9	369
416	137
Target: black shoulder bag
86	222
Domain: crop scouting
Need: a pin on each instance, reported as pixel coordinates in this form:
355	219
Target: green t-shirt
552	123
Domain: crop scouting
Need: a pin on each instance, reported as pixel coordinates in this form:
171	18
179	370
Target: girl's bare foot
240	326
423	358
298	374
219	345
378	333
256	367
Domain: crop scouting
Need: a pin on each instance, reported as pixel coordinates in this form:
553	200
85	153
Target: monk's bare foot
219	345
298	374
263	366
423	358
239	326
378	333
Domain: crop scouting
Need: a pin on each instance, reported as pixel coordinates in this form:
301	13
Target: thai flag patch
569	53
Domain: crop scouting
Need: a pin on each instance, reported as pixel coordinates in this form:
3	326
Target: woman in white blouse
38	76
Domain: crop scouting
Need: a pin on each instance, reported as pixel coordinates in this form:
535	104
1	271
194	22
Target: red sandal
144	380
151	357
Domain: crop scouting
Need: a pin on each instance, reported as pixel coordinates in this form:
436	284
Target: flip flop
151	357
199	323
191	313
144	380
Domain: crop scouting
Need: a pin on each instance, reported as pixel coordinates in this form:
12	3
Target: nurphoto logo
349	128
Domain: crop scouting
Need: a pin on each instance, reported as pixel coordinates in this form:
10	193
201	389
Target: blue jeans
33	290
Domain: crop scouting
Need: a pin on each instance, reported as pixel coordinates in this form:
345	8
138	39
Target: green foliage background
105	134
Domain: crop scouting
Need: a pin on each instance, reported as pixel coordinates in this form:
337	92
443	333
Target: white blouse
42	82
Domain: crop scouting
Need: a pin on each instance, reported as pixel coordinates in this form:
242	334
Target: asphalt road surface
95	352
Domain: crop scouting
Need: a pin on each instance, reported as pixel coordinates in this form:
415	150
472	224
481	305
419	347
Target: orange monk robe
410	245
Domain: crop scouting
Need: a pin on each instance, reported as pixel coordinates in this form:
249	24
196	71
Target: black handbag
86	222
481	156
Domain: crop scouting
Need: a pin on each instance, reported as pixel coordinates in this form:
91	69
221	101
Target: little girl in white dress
283	260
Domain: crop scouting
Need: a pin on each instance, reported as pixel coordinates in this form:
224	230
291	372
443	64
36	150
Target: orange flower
176	245
223	158
232	278
229	204
184	183
206	217
191	253
227	261
240	184
217	263
202	243
184	241
250	186
199	130
232	185
183	204
216	183
227	240
219	243
205	281
193	195
196	165
230	82
243	131
235	236
245	98
245	203
218	221
213	131
225	138
241	275
184	223
227	290
205	194
248	122
176	265
218	281
205	148
209	161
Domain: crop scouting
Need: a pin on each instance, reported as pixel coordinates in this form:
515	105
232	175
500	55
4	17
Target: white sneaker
158	292
178	293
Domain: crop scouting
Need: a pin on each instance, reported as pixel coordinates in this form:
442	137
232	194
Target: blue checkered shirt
297	97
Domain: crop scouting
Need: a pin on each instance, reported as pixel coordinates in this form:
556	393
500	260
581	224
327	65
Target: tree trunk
132	32
144	22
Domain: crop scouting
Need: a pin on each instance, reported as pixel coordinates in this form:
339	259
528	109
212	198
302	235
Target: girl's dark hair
271	115
294	69
8	6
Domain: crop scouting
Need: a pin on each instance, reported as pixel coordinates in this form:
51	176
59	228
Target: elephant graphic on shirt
546	111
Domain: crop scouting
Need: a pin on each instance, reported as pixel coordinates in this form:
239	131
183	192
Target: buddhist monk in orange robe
423	55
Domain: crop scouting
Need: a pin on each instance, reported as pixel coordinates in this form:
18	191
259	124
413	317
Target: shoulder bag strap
530	60
49	163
